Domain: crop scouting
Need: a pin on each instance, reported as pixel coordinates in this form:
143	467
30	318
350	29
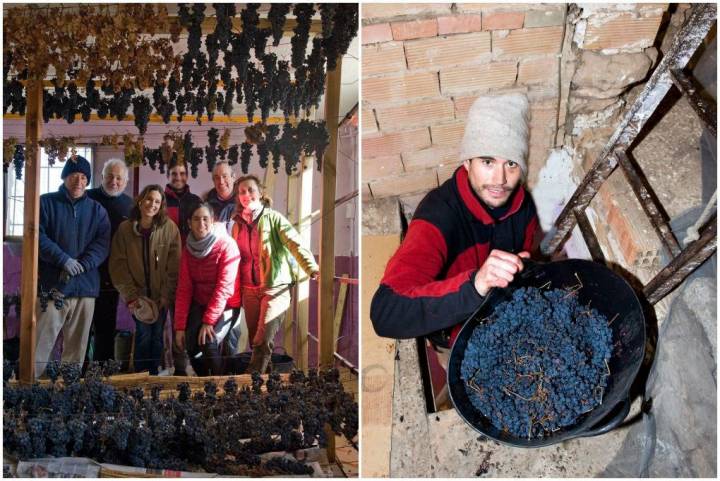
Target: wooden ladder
668	72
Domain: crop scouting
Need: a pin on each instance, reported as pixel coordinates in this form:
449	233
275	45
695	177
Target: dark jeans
103	326
210	363
149	344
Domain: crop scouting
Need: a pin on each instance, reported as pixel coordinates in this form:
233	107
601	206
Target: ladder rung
652	207
589	235
703	108
683	265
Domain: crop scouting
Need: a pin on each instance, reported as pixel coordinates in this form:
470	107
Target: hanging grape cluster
190	85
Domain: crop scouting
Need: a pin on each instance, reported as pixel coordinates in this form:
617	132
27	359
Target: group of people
166	255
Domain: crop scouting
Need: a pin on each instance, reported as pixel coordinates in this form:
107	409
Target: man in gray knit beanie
466	236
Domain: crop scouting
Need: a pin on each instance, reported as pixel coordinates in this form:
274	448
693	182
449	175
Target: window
50	180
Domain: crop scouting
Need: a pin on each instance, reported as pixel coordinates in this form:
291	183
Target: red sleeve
410	301
225	286
413	269
183	294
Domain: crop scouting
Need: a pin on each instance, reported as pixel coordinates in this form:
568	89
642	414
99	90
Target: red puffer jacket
209	281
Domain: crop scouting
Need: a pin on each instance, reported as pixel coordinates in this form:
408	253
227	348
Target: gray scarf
201	248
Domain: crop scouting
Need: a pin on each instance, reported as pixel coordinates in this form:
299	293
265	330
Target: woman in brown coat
144	263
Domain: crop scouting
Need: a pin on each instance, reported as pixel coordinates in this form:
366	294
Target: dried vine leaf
109	42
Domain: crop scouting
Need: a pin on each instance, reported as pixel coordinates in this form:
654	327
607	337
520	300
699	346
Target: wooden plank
327	243
157	119
31	217
290	343
304	226
339	310
378	363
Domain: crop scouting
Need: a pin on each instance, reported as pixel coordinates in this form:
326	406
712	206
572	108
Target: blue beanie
78	164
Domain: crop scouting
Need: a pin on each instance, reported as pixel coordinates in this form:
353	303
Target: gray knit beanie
497	126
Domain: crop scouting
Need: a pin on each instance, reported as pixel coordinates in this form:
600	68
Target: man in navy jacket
110	194
74	241
466	236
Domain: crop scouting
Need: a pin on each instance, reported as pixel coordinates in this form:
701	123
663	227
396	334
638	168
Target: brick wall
424	64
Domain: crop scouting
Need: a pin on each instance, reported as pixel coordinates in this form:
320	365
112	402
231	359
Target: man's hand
315	276
73	267
207	334
180	339
498	270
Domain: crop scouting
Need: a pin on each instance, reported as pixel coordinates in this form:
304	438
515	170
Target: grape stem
511	393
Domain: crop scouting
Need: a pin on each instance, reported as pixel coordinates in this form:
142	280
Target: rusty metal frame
684	45
683	265
704	109
650	204
669	71
589	235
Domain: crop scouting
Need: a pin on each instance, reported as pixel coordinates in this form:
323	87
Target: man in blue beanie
74	241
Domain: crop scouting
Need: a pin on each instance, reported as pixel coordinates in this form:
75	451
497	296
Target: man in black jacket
466	236
110	194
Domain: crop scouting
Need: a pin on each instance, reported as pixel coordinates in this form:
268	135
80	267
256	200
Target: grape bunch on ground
219	431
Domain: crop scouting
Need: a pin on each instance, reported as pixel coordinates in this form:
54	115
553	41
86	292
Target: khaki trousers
264	310
74	320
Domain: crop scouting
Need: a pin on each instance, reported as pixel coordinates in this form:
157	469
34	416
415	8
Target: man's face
115	179
75	184
493	179
223	178
178	177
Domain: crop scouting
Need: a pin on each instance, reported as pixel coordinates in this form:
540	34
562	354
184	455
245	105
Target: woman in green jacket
267	243
144	263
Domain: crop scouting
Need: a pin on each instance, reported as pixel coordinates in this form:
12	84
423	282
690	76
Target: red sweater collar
471	201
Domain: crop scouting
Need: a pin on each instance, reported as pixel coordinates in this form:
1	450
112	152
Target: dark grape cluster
188	432
538	363
19	161
280	464
303	14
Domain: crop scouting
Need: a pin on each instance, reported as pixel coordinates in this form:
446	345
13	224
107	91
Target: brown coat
126	261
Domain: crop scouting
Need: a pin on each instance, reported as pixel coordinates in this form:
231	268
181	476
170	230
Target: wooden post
31	233
326	311
290	327
305	198
339	310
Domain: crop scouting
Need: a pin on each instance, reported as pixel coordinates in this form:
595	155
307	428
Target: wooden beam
303	201
157	119
339	310
31	233
326	309
326	312
291	343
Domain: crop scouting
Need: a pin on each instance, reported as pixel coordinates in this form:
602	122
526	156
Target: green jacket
279	243
126	265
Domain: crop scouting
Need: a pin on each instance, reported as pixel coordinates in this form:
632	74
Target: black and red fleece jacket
428	283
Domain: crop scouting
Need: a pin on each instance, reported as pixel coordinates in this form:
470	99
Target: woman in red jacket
208	269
